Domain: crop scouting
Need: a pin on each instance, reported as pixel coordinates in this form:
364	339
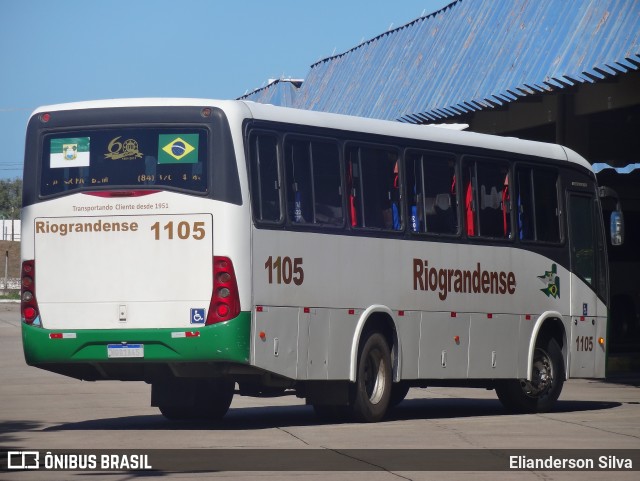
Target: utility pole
6	272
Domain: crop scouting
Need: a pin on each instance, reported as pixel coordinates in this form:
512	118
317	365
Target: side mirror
617	228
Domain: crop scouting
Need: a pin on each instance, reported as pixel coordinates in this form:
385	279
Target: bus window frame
456	161
250	136
45	135
359	144
310	138
225	188
559	203
600	282
471	160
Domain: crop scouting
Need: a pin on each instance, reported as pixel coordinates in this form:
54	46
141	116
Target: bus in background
197	245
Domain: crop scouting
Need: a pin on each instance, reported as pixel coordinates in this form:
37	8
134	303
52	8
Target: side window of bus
487	198
313	185
265	179
431	192
373	186
545	189
537	209
583	237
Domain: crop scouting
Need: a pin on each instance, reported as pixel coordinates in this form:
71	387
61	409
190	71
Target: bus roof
345	122
413	131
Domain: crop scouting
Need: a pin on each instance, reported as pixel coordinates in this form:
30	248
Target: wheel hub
374	377
541	377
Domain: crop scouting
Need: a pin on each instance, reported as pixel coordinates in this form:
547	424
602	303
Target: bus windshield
124	157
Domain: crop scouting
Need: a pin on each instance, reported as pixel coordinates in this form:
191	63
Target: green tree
10	198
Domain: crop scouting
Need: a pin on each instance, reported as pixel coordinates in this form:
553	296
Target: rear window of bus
122	157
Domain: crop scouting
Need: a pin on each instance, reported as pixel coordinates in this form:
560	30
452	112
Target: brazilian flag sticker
552	282
178	148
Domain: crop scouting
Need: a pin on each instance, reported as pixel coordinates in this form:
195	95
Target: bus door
588	316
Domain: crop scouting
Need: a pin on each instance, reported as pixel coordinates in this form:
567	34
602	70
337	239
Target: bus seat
443	201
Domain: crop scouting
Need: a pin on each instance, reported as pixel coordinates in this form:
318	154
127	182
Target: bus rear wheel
399	391
211	401
541	393
373	380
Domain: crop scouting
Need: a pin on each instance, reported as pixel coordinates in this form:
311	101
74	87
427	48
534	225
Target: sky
54	51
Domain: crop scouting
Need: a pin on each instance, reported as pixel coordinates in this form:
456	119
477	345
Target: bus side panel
470	300
315	360
527	323
276	344
444	345
601	350
409	326
587	357
341	333
493	352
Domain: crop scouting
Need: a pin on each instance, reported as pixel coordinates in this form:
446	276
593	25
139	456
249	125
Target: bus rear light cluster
225	300
28	304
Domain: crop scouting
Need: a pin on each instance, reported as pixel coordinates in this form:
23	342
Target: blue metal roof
278	92
471	55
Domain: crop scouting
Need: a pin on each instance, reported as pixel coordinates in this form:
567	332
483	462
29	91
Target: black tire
212	401
373	380
540	394
217	397
178	413
399	391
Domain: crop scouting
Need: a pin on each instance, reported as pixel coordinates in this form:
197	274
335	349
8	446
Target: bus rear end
130	263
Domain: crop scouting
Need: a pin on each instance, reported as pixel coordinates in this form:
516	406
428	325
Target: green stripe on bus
226	341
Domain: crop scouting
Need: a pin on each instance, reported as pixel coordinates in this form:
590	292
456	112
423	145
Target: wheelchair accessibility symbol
197	316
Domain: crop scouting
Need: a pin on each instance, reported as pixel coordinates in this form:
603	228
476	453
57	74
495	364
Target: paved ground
46	411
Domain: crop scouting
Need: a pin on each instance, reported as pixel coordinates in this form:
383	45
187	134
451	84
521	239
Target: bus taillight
225	300
29	304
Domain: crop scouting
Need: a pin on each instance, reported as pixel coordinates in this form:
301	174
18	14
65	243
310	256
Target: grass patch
10	295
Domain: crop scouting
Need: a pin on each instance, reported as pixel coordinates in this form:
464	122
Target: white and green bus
213	247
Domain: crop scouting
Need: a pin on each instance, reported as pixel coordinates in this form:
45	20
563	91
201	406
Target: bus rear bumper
94	353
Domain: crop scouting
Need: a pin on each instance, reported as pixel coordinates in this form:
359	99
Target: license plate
125	350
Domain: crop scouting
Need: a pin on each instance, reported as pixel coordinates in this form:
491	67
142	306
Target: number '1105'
285	270
182	230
